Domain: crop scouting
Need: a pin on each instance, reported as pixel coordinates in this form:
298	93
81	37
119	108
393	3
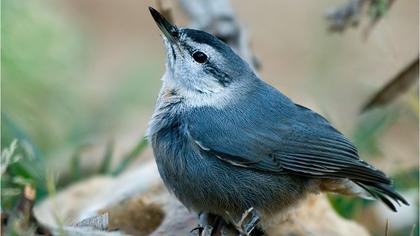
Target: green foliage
8	157
40	53
106	161
348	207
46	104
378	8
24	164
19	169
130	157
44	80
370	126
75	166
407	179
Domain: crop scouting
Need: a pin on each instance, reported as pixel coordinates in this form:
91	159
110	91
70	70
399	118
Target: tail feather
366	189
383	192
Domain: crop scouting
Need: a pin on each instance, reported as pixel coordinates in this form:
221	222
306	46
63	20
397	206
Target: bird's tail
384	192
365	189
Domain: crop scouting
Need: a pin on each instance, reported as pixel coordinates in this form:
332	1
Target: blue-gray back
266	131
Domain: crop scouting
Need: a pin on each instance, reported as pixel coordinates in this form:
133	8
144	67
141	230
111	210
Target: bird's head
199	63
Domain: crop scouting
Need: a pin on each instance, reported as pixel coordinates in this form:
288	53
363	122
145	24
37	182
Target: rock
65	207
138	204
314	216
135	216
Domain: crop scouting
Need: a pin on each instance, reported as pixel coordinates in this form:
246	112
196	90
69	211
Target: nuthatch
226	142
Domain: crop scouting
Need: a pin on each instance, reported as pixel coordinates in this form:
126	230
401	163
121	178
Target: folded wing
305	144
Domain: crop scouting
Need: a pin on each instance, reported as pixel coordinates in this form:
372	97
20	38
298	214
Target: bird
228	144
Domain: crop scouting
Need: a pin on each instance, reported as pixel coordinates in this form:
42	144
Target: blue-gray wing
267	132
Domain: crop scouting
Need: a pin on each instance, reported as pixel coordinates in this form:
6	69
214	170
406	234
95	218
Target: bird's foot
206	225
249	220
202	231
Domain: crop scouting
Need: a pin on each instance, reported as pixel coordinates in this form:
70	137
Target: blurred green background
80	77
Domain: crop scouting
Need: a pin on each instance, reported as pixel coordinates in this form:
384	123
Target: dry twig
217	17
22	220
395	87
351	13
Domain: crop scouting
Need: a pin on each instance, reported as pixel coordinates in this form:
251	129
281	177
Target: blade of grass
129	158
52	192
75	167
76	170
106	161
387	227
29	163
8	157
413	229
13	130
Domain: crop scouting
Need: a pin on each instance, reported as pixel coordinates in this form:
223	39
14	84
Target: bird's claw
206	225
202	231
248	222
196	231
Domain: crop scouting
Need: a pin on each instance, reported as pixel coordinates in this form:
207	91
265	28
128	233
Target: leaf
395	87
8	157
26	166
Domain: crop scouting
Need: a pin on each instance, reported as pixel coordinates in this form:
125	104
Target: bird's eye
199	57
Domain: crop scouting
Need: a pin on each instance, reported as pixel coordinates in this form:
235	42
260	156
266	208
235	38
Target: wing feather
313	149
280	137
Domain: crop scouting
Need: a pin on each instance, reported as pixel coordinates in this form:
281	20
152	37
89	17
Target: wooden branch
399	84
217	17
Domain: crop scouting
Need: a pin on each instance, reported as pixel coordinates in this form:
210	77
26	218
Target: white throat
217	97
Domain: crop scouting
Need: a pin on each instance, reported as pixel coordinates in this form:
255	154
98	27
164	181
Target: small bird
228	144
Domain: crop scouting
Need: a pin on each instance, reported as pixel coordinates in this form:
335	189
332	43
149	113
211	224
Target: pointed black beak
169	31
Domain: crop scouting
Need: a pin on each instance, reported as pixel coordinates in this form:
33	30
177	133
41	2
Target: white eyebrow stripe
203	47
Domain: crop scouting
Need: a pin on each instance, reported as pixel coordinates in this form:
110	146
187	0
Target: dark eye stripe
223	78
